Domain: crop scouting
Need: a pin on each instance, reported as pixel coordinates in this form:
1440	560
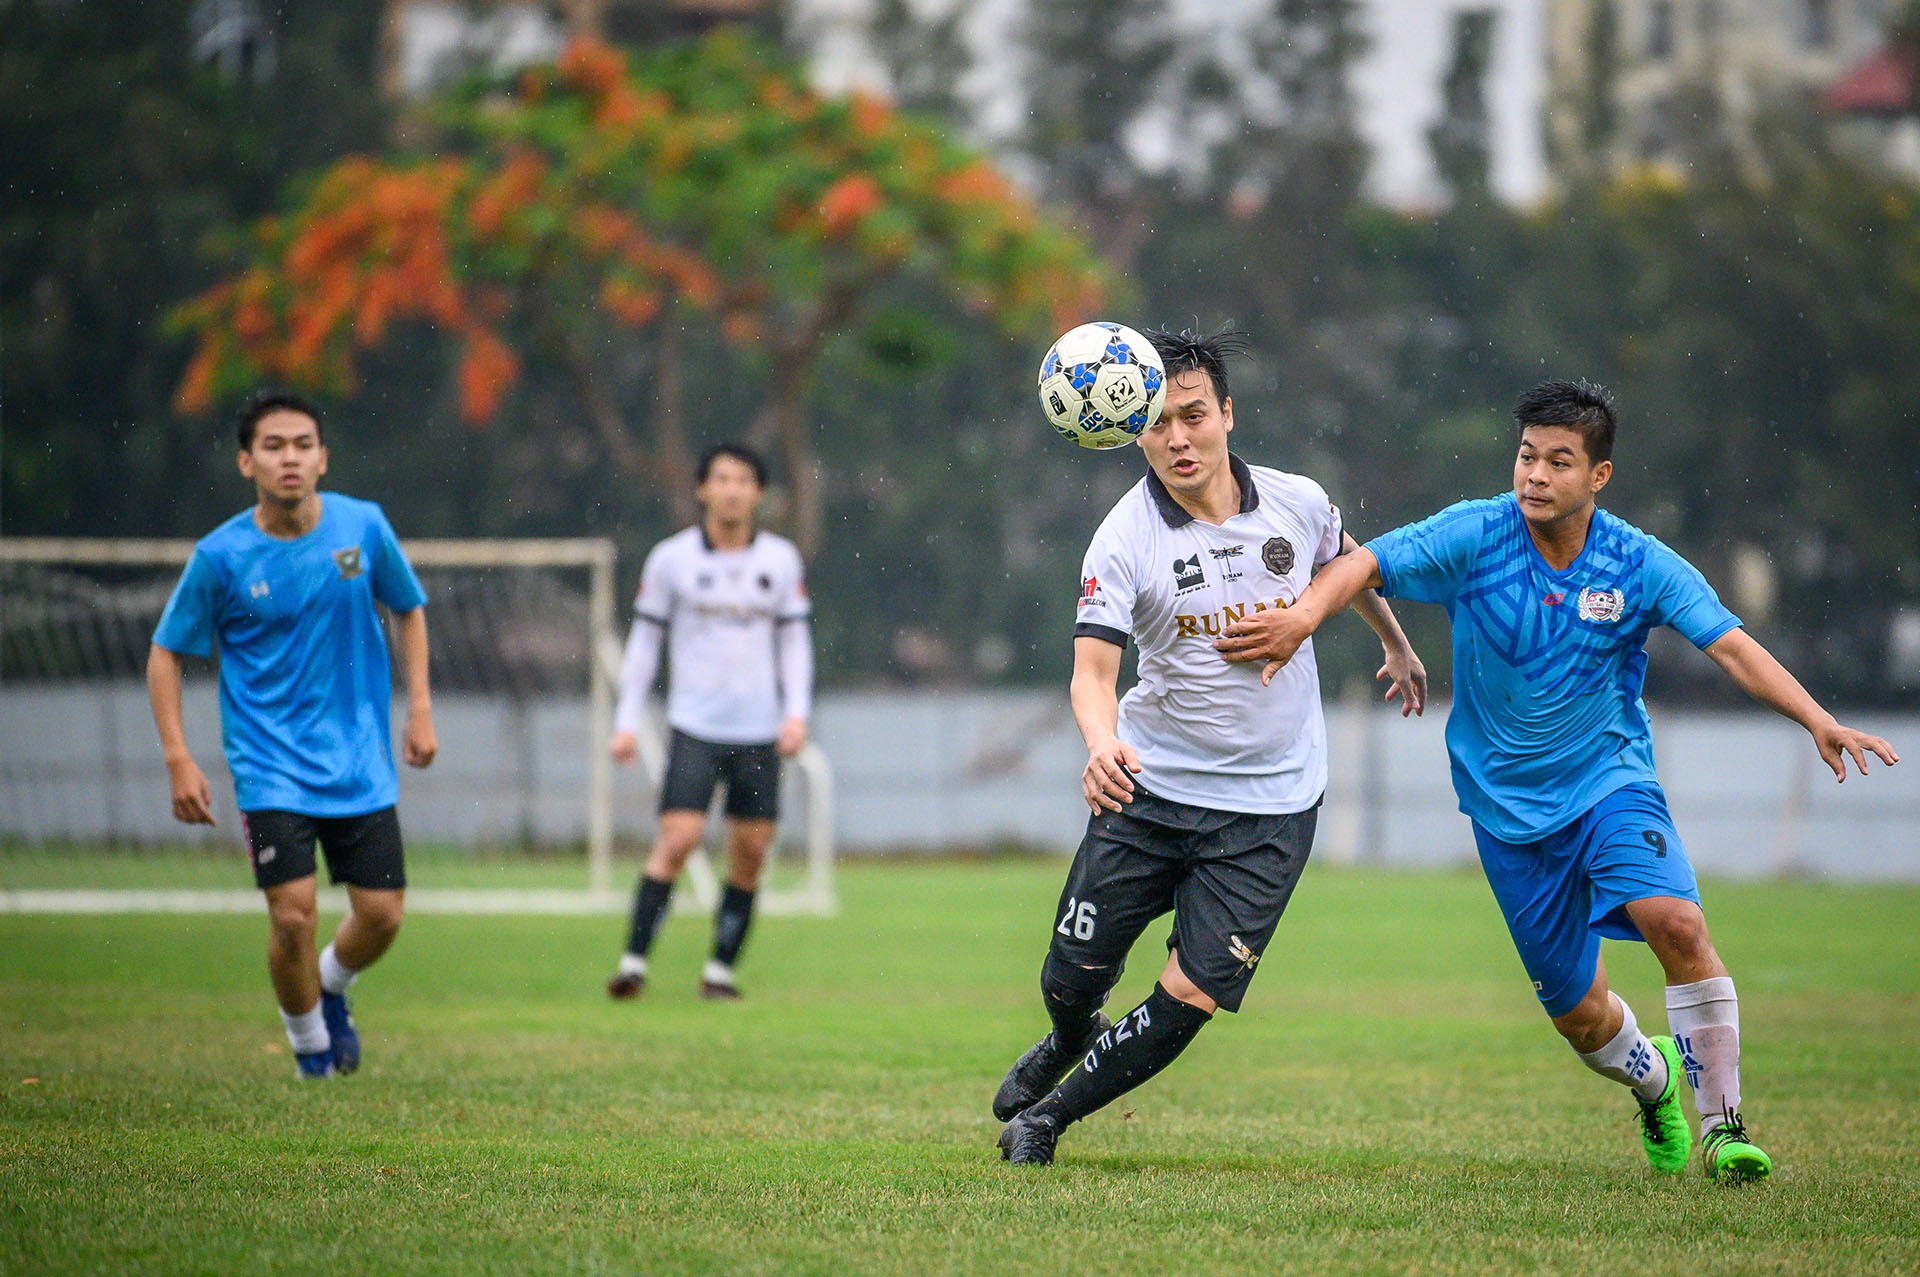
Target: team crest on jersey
259	590
1277	554
1603	606
348	561
1187	574
1242	954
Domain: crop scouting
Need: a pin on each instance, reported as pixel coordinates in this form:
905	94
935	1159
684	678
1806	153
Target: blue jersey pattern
1547	666
305	690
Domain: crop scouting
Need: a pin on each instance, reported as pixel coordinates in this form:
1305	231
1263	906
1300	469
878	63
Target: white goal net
524	662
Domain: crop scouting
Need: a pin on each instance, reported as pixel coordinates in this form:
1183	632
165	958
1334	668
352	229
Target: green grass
1391	1099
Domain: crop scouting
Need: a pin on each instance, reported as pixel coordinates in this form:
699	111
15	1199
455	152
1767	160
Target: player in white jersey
730	601
1204	785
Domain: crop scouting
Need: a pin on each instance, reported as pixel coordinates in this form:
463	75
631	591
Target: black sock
730	923
1073	996
649	905
1139	1045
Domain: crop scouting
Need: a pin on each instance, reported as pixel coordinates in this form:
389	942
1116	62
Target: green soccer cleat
1731	1158
1665	1132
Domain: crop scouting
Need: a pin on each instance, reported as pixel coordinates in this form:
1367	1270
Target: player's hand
793	736
1409	678
1272	636
1836	743
418	742
192	796
624	747
1107	783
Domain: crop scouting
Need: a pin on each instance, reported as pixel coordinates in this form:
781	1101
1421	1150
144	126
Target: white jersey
740	658
1206	731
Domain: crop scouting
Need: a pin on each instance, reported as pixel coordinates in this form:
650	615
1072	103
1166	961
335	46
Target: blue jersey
304	682
1547	666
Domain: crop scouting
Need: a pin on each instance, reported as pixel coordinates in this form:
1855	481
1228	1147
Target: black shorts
695	766
1226	876
362	851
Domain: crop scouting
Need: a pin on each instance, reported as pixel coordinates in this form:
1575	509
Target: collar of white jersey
1176	514
706	542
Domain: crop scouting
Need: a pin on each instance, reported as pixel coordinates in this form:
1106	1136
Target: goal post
525	669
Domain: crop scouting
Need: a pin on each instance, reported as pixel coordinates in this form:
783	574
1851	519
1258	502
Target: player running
732	602
1551	601
285	592
1230	772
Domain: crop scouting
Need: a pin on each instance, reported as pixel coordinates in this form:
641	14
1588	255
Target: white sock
307	1031
335	975
632	964
1705	1018
717	972
1629	1058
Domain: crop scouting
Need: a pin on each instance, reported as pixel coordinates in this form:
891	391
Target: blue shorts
1561	893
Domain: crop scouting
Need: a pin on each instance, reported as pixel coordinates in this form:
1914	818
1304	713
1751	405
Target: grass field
1391	1100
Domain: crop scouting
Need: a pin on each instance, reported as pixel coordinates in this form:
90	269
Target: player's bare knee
1677	935
1587	1025
381	918
1181	989
294	920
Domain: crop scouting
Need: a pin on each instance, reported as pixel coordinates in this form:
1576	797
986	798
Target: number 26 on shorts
1077	919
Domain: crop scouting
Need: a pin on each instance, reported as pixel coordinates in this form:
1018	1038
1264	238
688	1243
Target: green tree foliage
120	157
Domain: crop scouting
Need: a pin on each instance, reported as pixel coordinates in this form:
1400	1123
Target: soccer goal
521	632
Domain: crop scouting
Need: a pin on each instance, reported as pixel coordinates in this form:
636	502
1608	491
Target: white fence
931	772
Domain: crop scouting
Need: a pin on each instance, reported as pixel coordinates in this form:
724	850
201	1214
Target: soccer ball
1102	384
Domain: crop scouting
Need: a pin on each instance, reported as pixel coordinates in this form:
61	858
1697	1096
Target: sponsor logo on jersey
1187	574
1552	600
258	589
1245	956
1604	606
766	581
1089	588
1225	557
1277	554
348	561
1210	624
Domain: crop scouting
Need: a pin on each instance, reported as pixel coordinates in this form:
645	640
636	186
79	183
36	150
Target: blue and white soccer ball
1102	384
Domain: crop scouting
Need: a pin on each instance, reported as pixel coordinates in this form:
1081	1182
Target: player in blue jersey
1551	601
285	593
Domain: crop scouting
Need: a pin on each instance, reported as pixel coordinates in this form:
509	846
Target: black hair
262	403
1577	405
1187	350
739	452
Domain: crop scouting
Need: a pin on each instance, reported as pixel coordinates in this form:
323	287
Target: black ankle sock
649	906
1139	1045
730	923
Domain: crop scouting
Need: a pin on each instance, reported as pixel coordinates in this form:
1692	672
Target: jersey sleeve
392	577
1105	609
654	602
189	622
1328	547
1679	596
1429	561
794	604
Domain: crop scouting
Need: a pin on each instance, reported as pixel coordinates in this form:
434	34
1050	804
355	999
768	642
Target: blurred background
534	257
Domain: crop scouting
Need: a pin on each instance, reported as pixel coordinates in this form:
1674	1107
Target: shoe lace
1649	1119
1729	1129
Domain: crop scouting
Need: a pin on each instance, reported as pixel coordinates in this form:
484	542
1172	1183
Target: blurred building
429	42
1645	81
1877	105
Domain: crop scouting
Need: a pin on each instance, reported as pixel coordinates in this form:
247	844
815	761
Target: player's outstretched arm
417	741
1400	664
1107	782
1275	635
192	796
1765	679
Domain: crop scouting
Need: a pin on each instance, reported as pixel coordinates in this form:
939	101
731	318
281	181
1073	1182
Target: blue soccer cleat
346	1039
317	1064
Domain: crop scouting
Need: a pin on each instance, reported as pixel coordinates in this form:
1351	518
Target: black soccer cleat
625	985
1038	1071
715	991
1028	1140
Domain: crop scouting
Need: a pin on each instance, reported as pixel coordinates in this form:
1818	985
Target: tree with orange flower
614	188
